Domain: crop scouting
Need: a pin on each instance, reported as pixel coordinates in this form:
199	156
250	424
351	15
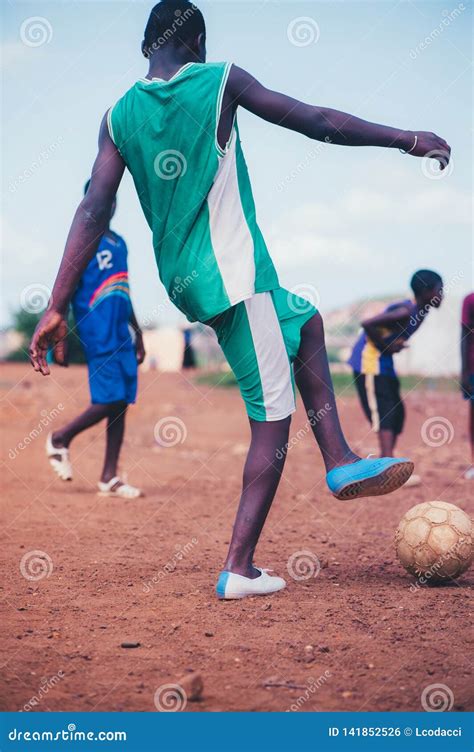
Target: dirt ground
358	636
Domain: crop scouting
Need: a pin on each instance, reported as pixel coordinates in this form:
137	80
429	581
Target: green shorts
260	338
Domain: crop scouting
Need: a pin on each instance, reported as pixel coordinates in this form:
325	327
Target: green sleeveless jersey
196	196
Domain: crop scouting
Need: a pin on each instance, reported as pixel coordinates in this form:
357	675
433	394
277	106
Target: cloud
343	230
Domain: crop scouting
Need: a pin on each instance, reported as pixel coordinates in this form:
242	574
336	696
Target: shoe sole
239	596
385	482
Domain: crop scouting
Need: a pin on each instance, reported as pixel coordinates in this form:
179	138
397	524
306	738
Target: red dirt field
358	636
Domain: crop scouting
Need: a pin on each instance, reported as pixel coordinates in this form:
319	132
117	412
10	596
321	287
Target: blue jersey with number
101	303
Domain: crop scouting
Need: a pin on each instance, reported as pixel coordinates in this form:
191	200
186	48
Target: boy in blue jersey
103	312
372	357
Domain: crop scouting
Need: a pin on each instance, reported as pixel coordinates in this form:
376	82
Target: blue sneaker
370	477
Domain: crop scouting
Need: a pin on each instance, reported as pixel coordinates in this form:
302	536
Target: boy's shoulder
406	304
113	238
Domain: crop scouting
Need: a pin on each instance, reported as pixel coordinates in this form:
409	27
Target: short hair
86	187
423	280
176	22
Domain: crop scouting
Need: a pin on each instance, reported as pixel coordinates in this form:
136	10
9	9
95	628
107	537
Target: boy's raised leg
348	476
313	379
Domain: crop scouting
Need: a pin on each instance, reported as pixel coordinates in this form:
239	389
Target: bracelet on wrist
409	151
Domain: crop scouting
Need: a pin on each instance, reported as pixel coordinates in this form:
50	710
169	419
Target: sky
341	223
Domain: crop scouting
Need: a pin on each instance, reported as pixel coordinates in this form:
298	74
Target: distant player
103	312
189	356
372	357
176	131
467	368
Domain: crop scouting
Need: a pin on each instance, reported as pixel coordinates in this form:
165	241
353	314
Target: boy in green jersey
176	131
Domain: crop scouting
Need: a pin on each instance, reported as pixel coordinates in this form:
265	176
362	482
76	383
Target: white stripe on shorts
372	400
272	357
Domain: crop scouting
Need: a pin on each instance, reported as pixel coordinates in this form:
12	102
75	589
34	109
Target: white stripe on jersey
231	238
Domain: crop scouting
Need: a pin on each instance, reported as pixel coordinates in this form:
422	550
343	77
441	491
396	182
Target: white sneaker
116	487
59	459
231	586
413	480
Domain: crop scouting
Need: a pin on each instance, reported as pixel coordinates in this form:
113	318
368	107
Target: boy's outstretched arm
324	124
89	224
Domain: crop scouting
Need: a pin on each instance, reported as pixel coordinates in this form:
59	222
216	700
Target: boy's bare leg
94	414
115	433
387	441
314	381
262	472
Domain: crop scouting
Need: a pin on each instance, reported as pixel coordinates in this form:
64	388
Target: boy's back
208	247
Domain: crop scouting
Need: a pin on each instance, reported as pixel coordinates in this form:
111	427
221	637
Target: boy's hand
50	332
429	145
139	347
395	347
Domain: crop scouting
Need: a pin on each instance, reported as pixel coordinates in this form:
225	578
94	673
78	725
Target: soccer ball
434	541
